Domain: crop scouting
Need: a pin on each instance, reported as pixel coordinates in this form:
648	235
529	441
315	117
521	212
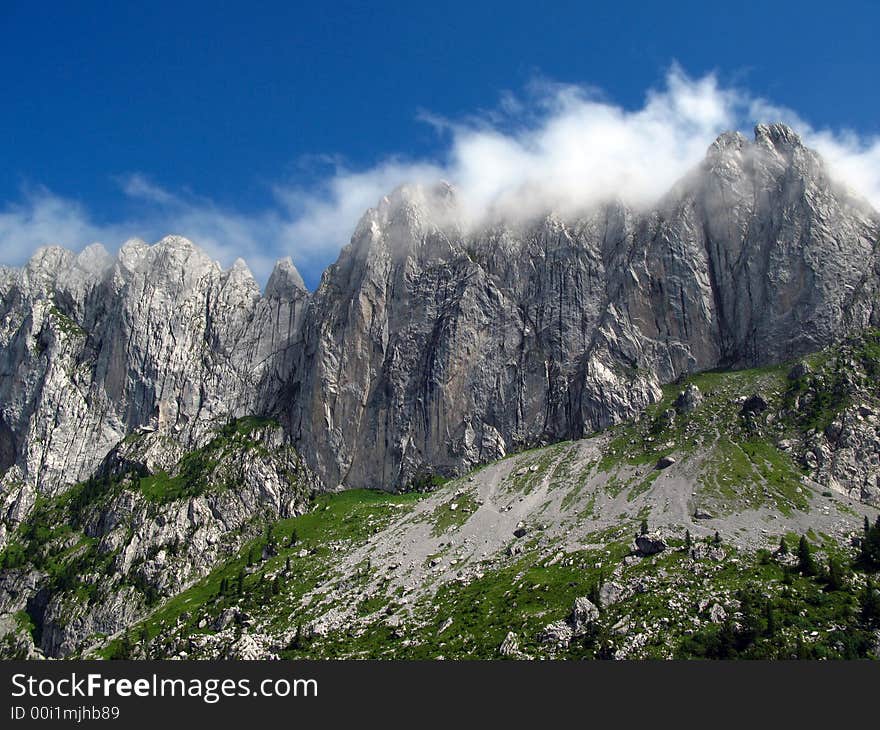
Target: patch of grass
445	517
198	471
65	323
347	518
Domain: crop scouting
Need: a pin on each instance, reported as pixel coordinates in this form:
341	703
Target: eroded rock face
430	347
689	399
159	338
148	546
649	544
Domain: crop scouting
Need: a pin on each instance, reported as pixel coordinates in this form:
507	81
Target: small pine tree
770	619
717	539
643	529
805	557
296	641
276	586
125	647
241	575
687	540
787	577
870	605
783	546
287	565
294	538
835	575
869	554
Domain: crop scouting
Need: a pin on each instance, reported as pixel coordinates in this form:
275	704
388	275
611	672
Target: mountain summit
166	427
430	347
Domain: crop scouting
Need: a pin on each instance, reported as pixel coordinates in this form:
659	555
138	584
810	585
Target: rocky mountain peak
777	136
285	281
429	347
727	141
43	267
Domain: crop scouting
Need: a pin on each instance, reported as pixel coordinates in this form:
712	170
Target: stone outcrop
134	546
158	339
430	347
427	347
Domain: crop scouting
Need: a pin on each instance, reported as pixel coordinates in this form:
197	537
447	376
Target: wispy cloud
555	146
854	159
40	218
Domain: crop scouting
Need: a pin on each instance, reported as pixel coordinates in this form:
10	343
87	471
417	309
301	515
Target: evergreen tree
687	540
125	647
805	557
287	564
783	546
869	555
294	538
643	529
296	642
870	605
276	586
770	619
725	648
717	538
241	575
835	575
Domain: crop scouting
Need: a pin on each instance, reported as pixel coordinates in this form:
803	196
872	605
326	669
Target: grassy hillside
722	471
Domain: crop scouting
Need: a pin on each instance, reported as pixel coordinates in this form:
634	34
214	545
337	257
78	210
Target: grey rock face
583	613
92	348
649	544
510	646
689	399
664	462
158	547
611	593
429	348
717	614
846	456
558	633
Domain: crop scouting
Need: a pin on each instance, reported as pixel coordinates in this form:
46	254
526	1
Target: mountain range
159	413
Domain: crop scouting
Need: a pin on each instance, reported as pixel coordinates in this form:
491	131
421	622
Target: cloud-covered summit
556	147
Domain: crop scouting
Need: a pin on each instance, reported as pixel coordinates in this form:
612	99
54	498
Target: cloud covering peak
556	147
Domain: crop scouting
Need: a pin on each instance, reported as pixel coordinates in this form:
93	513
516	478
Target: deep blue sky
224	99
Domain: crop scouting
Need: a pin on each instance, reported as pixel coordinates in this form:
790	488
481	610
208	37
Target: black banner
134	694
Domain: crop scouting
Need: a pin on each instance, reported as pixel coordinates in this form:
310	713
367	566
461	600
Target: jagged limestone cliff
426	348
157	410
430	347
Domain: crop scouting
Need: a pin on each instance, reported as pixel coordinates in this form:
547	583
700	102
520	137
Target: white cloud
319	222
558	147
42	218
851	158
